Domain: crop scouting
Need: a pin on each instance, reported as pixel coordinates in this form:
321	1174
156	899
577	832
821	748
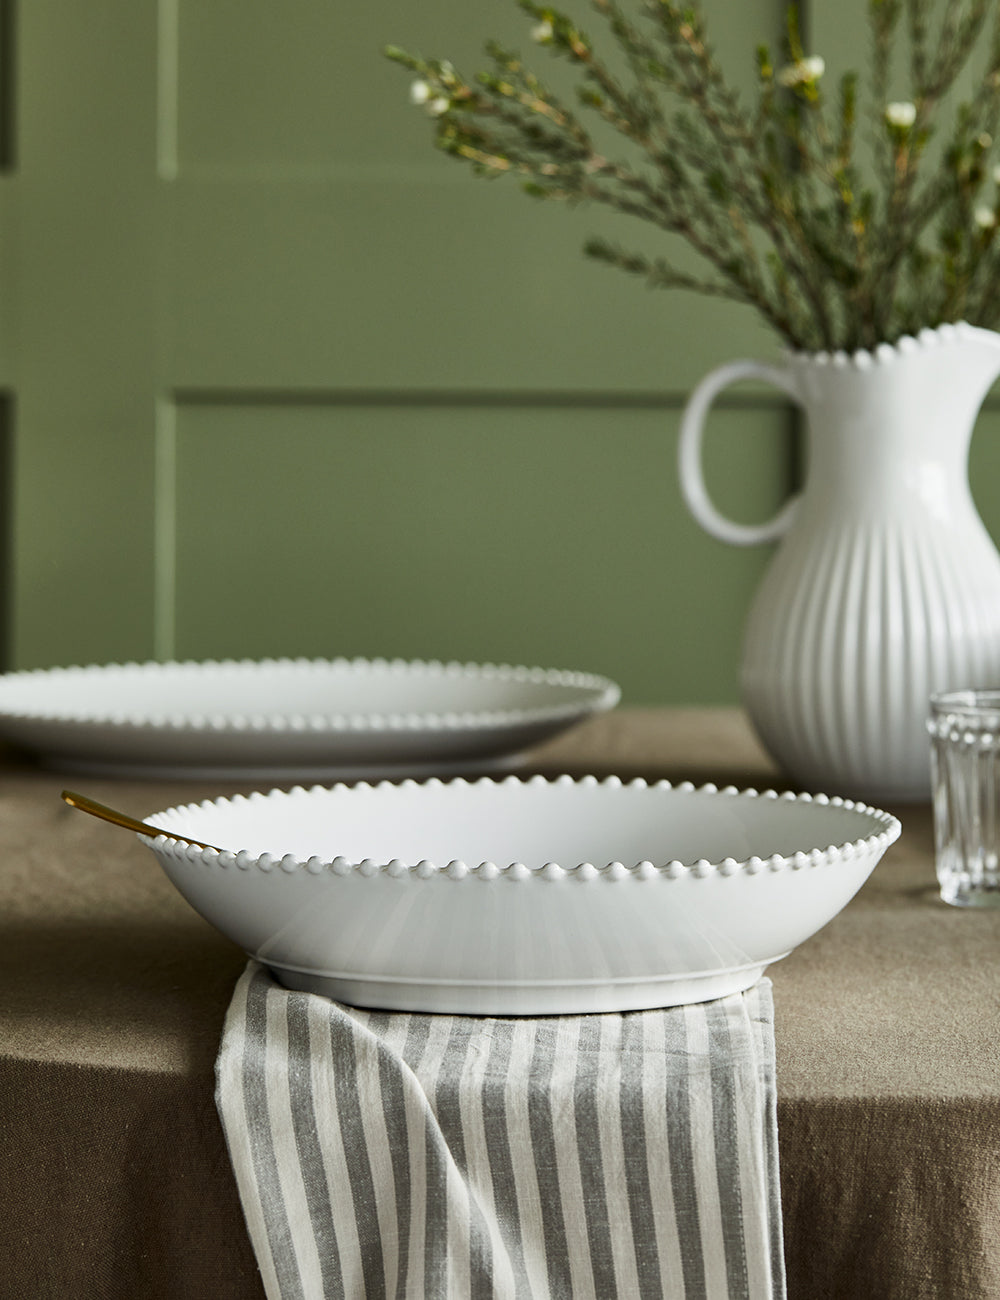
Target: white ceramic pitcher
886	585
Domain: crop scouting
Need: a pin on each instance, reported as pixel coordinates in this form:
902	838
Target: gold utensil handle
117	818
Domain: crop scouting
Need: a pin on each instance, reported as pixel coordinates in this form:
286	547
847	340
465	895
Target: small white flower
543	33
985	218
420	92
901	114
438	106
803	72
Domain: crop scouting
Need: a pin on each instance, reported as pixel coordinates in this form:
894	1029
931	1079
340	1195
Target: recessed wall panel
303	86
398	285
548	535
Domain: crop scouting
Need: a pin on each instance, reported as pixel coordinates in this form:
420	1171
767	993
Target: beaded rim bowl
291	719
521	897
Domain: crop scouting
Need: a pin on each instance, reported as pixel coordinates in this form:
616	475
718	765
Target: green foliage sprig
770	194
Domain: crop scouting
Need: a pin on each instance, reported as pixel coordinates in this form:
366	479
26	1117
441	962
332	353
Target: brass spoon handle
122	819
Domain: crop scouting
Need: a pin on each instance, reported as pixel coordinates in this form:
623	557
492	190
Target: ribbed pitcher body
886	585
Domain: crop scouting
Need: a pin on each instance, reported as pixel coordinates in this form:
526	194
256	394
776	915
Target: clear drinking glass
964	727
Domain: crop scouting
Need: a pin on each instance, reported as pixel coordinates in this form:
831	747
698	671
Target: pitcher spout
971	354
948	370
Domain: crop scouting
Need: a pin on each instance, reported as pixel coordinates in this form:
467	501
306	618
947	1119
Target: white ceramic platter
283	720
521	897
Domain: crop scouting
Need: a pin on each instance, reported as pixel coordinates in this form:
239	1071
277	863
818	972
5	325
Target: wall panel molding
8	86
598	399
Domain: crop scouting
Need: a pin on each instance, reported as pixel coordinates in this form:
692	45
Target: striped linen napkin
383	1154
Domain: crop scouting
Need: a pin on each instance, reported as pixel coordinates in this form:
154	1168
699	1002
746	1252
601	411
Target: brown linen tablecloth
114	1177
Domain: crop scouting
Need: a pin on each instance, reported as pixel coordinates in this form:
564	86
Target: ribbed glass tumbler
964	727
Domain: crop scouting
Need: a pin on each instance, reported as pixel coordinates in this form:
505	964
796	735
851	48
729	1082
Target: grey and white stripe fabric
604	1157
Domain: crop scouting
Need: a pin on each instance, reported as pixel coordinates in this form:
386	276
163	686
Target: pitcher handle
689	458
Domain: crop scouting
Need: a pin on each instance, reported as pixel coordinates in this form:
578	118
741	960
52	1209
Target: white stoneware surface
521	897
291	719
886	586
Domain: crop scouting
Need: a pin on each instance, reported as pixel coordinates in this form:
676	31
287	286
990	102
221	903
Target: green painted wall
283	380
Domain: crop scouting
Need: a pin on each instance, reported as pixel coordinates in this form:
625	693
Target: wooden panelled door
283	380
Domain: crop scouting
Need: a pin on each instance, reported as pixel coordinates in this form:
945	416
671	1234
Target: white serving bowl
521	897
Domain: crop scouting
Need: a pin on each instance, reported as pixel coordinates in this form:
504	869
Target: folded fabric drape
407	1155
